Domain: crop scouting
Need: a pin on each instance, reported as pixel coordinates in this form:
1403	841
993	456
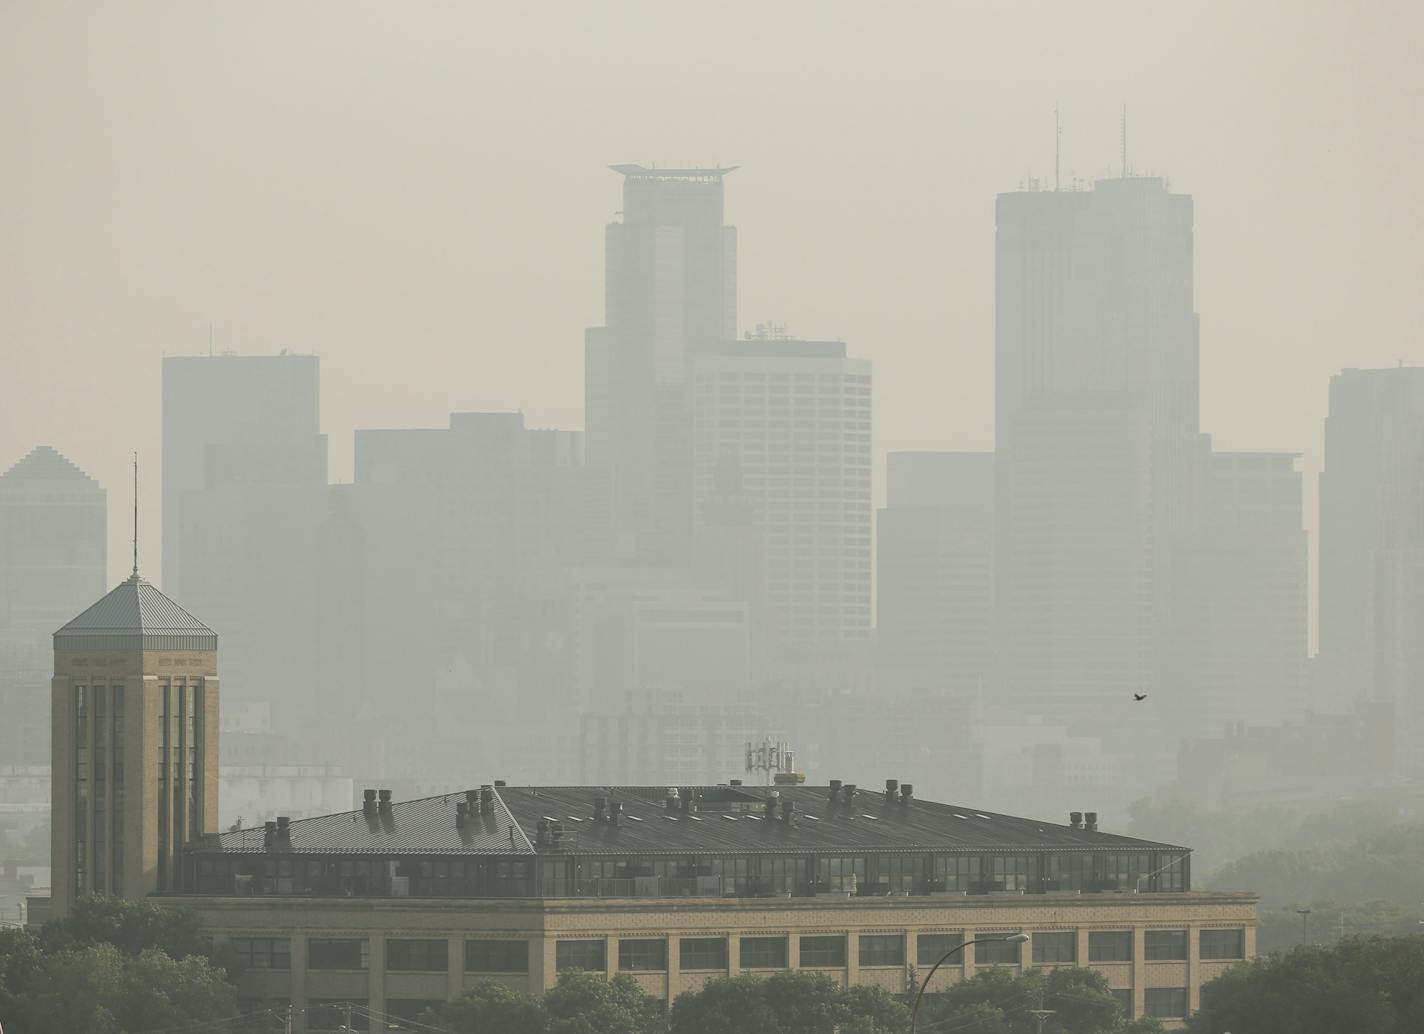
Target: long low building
402	905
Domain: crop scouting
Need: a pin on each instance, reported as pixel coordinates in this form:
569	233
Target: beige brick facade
543	924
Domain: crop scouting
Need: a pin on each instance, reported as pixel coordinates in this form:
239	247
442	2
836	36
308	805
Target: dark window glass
1110	946
1000	952
1166	944
823	951
1058	946
591	955
262	952
1223	944
703	953
645	953
882	949
931	947
1123	997
430	956
329	953
496	956
764	953
1165	1002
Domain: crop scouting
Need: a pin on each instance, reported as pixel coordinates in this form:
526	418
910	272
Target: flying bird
1139	696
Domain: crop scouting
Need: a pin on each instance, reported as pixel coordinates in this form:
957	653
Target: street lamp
1013	938
1304	914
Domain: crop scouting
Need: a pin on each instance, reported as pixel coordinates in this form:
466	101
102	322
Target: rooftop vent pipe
615	810
1090	821
599	805
1075	820
835	790
891	787
907	794
848	793
771	805
486	800
787	807
368	806
385	803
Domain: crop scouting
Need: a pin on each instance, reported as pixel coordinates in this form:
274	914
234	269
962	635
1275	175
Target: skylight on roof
730	818
635	818
959	816
981	814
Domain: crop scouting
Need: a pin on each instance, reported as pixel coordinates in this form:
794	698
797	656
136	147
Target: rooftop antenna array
1057	146
1124	141
135	515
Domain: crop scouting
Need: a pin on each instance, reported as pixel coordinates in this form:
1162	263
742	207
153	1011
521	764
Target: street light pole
1014	938
1304	914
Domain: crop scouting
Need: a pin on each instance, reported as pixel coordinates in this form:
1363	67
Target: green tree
787	1003
586	1003
1078	1002
491	1008
1373	984
130	926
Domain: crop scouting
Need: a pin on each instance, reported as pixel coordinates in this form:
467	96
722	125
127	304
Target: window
764	953
997	952
645	953
262	952
931	947
1110	946
1059	946
1165	1002
496	956
329	953
423	956
1170	945
882	949
1123	997
580	955
823	951
1223	944
703	953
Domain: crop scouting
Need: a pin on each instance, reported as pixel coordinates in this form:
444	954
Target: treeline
115	967
1070	1001
1364	984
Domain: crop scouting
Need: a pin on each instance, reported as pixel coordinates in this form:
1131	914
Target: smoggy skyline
420	201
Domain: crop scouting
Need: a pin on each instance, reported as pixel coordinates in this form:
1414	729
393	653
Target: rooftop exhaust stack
269	835
541	832
848	793
891	786
486	800
907	794
1090	820
771	802
835	790
787	808
1075	820
284	830
600	804
671	800
368	806
385	803
615	810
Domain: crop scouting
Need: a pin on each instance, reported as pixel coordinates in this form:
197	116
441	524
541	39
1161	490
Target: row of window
711	953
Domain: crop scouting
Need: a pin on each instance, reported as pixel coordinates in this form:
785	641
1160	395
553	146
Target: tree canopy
580	1003
1076	1001
787	1003
1373	984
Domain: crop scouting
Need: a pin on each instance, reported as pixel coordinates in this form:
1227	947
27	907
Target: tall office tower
1372	549
1253	588
1372	439
134	717
789	421
1073	598
463	533
670	287
934	584
245	506
52	555
1096	337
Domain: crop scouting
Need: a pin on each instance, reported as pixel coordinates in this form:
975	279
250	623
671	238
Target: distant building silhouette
934	572
53	548
245	509
1099	453
670	286
792	418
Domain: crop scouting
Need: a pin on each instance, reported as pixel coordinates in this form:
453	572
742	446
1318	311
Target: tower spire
135	515
1057	146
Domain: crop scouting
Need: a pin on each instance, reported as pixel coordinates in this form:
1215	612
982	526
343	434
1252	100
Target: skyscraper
934	577
1253	591
1099	454
670	286
134	720
245	511
792	419
53	548
1372	548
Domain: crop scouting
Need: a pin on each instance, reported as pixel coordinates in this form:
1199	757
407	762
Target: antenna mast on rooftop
135	515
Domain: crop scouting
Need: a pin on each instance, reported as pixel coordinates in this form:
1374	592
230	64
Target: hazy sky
417	192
